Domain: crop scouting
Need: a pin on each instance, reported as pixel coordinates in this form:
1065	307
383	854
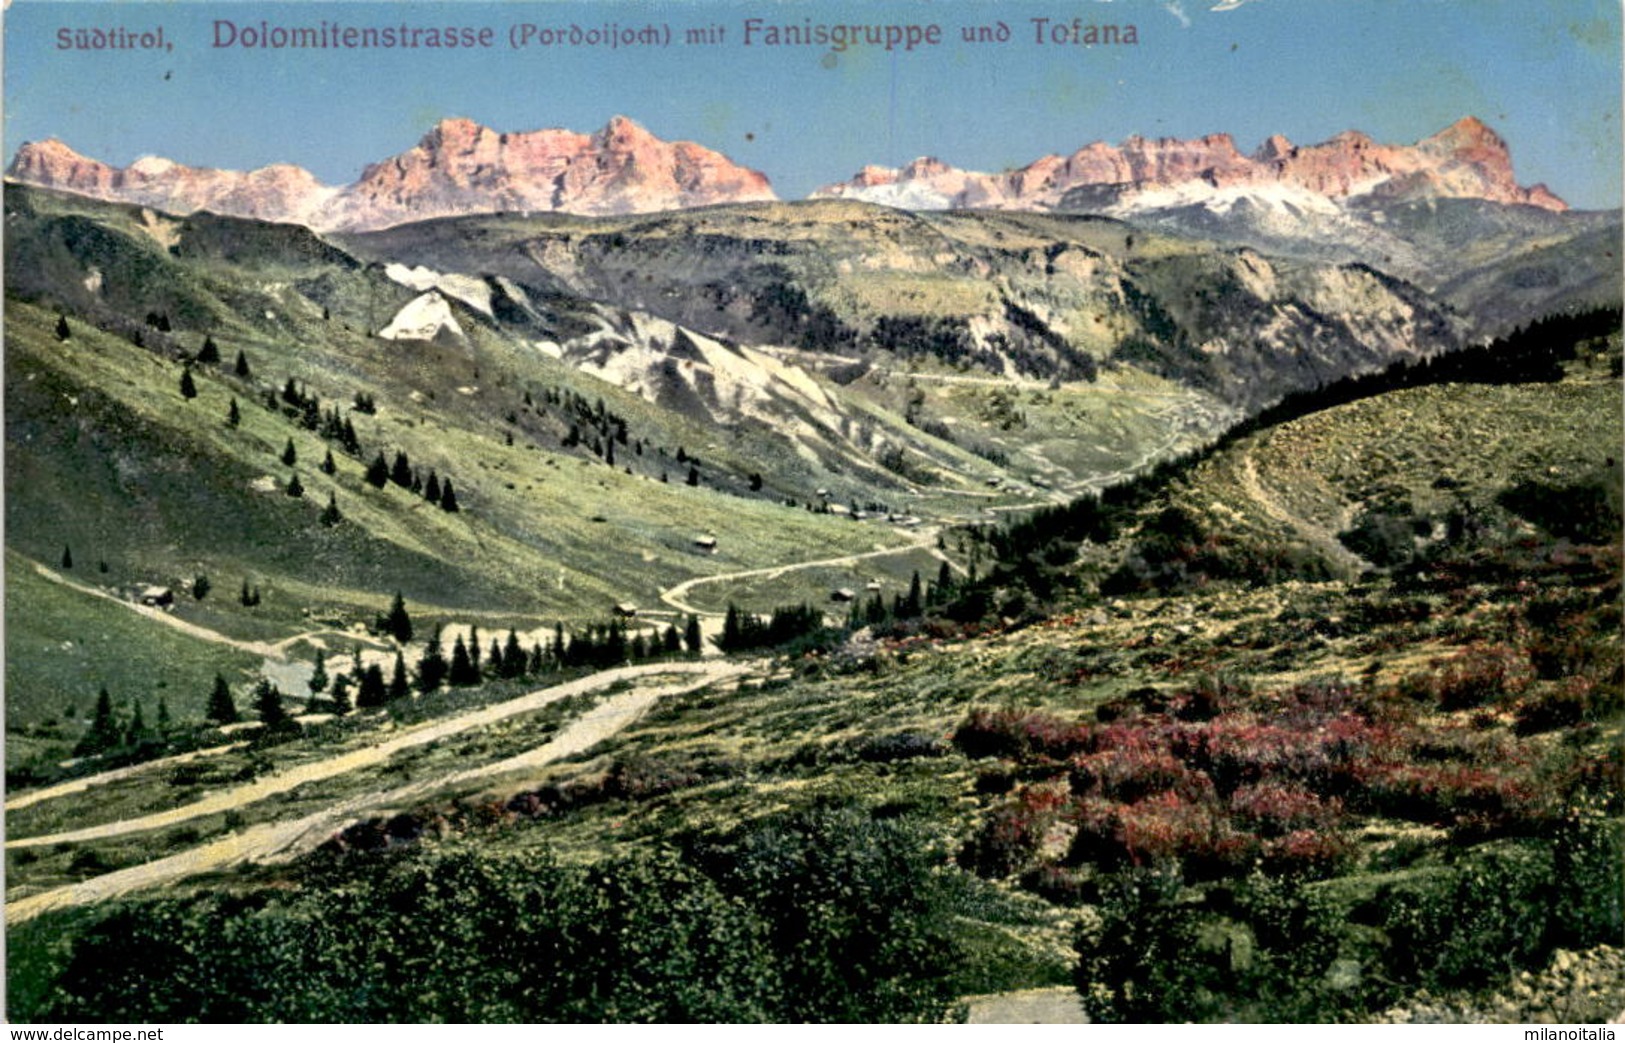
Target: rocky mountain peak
1465	160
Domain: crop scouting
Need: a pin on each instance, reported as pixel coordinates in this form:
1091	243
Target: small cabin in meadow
705	544
156	597
842	594
626	610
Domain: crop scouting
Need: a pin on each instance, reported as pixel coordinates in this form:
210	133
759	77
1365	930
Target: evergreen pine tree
693	475
730	629
67	556
318	677
915	601
463	672
209	353
268	706
201	587
62	330
289	456
221	709
432	667
401	471
165	721
494	667
328	466
398	624
399	688
431	489
671	642
474	647
241	366
296	488
137	732
692	638
513	657
188	387
341	695
448	497
234	415
537	661
378	472
638	650
330	513
103	734
372	691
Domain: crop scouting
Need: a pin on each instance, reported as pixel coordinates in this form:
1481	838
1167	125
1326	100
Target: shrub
1007	733
1276	809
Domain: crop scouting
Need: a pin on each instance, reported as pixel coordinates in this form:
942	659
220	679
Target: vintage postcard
758	512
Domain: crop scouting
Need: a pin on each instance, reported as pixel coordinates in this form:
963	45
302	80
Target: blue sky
1544	73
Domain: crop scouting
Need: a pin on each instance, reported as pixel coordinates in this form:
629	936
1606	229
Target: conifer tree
221	709
137	732
234	416
448	497
432	667
67	556
188	387
372	691
241	366
165	721
401	471
513	657
538	660
399	688
693	475
398	624
463	671
328	466
289	455
638	650
691	635
318	678
730	629
209	353
494	667
330	513
341	695
671	642
296	488
431	488
558	643
62	330
103	734
268	706
378	472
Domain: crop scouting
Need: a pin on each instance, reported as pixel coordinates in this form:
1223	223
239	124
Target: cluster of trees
743	630
436	490
127	732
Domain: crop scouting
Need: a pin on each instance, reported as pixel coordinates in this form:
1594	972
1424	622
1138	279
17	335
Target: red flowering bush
1276	809
1306	852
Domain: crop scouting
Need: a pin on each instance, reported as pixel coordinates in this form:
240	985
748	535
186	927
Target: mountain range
461	167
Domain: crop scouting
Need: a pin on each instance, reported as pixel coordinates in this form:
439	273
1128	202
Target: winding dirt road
281	841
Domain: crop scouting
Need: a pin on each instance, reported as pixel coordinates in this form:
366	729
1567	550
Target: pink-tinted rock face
459	167
1466	159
